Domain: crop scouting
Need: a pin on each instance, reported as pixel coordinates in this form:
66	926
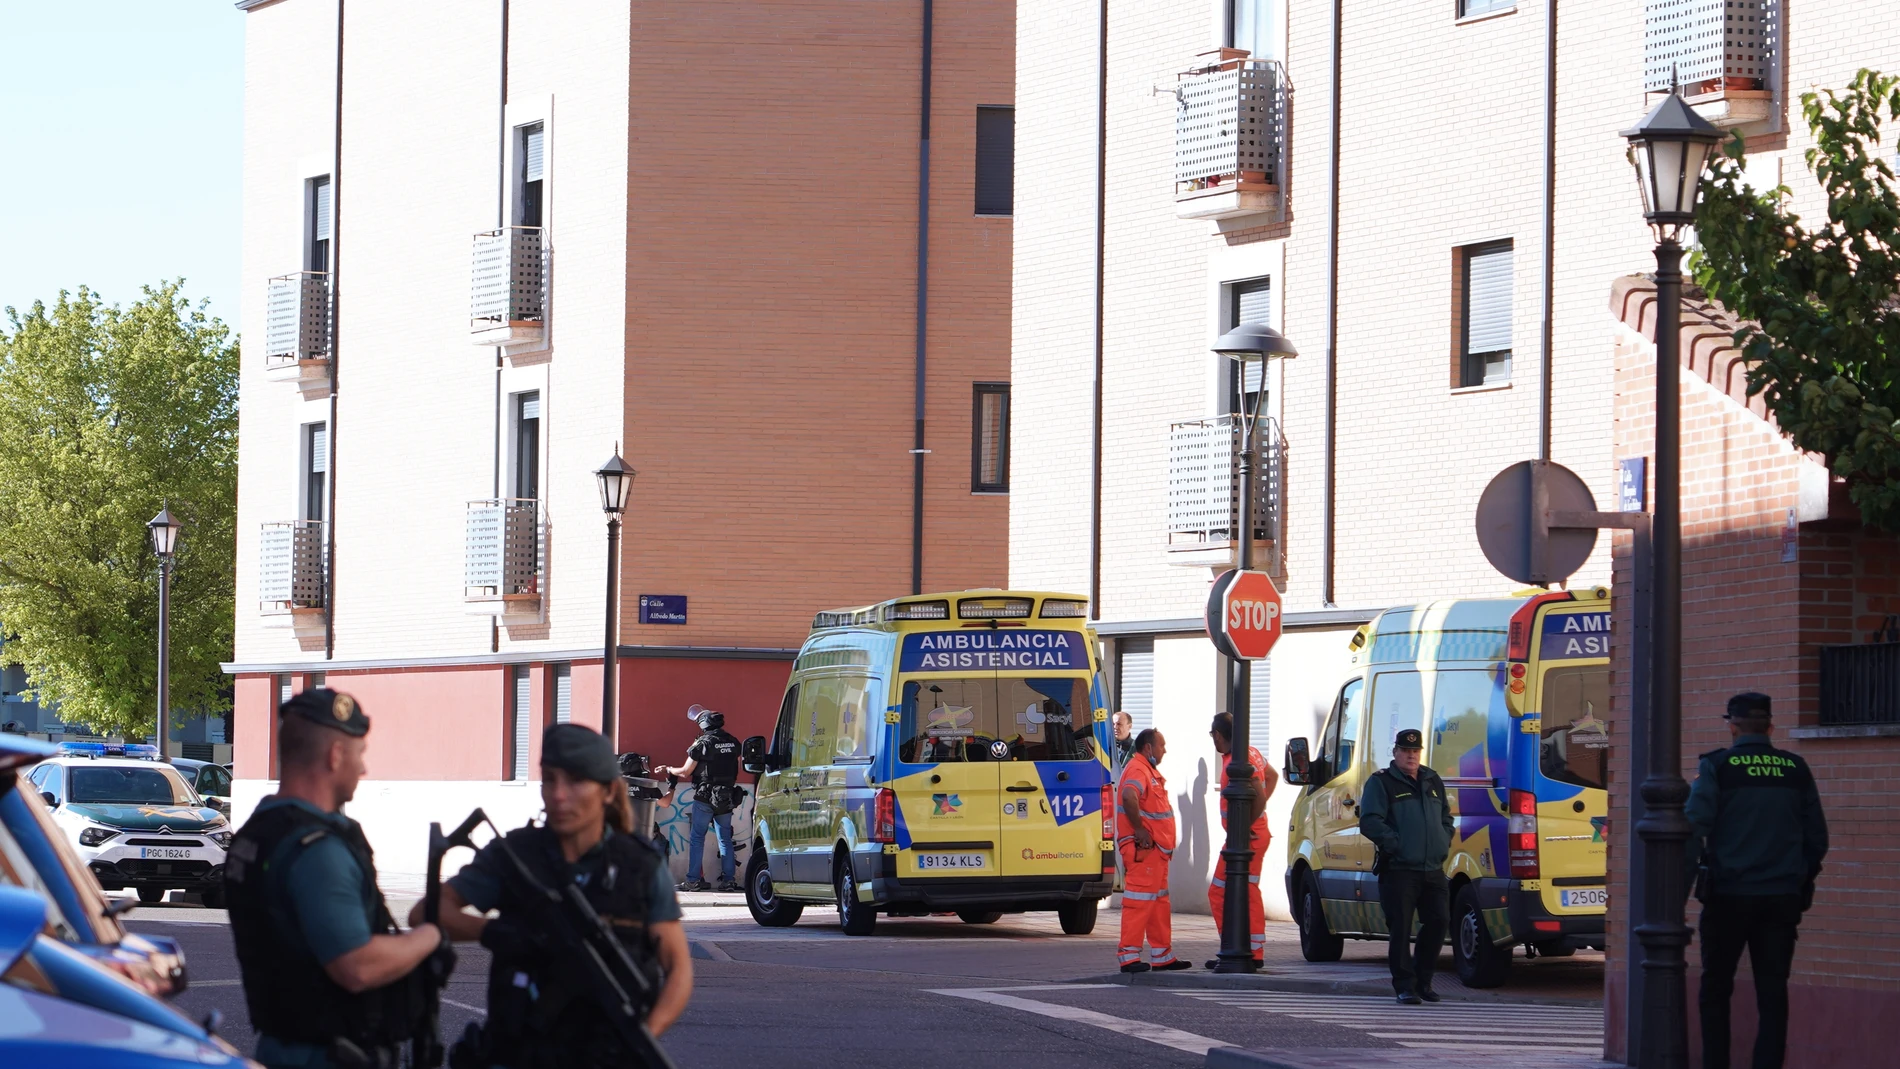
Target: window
995	161
1340	744
527	473
316	469
563	692
1575	747
284	692
967	719
1247	302
1250	26
1469	8
317	226
519	706
530	167
1135	685
782	734
989	439
1485	357
1398	702
1461	704
315	680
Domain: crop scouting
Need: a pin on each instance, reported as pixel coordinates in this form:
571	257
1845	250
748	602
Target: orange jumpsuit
1145	886
1217	890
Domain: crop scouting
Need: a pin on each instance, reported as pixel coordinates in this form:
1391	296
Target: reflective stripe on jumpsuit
1145	909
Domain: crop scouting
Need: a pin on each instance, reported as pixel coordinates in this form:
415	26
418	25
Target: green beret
579	751
321	705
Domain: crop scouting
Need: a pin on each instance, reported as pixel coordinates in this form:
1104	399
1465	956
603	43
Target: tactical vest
287	991
536	1017
720	766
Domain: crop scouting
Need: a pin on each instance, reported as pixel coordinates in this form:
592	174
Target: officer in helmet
712	762
328	978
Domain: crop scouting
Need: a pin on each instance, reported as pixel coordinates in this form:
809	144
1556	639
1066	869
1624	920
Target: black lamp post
164	530
616	486
1246	345
1669	149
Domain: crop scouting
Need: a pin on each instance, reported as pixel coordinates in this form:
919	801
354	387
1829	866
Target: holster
1704	882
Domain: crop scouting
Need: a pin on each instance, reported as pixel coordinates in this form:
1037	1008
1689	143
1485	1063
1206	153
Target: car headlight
222	838
95	836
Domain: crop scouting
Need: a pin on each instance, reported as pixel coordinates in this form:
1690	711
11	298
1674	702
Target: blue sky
125	127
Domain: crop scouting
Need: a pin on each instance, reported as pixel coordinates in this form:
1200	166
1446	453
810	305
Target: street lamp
164	530
616	486
1668	149
1246	345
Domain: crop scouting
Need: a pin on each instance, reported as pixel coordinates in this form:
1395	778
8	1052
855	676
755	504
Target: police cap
1749	705
1409	739
579	751
331	709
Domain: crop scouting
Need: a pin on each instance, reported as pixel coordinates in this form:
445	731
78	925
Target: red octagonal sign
1243	614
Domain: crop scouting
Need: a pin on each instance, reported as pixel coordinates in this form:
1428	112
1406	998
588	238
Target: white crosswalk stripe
1468	1026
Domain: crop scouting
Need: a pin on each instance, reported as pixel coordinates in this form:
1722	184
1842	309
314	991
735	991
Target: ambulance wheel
980	916
854	916
150	895
1078	918
1480	962
768	909
1317	943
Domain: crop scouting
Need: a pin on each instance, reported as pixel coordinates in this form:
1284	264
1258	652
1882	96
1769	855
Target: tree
107	415
1823	322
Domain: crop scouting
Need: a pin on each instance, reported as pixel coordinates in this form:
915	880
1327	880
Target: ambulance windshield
1576	739
996	719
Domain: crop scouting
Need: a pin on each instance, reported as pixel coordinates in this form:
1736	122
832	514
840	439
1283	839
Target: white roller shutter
519	718
532	155
563	693
1135	680
1488	299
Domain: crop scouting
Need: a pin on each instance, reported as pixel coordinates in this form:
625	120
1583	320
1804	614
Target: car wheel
1078	918
1317	942
151	895
854	916
980	916
768	909
1480	962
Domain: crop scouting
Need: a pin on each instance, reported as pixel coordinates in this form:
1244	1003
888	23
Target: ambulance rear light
884	819
1522	835
1548	926
1524	620
1108	811
921	610
994	608
1064	609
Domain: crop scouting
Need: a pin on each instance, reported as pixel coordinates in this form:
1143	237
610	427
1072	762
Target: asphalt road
935	992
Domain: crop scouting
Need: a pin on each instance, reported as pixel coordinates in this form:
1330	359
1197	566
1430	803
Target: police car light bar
89	749
141	750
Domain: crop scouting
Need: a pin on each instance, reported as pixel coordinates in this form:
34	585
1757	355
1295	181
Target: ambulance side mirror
1299	764
752	755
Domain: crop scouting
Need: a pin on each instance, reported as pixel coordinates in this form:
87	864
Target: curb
1270	981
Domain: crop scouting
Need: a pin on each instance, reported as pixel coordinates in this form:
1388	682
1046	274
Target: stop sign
1243	614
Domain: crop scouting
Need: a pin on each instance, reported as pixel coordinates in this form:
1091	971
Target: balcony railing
1723	55
1230	137
297	319
291	561
1204	487
1860	684
509	280
504	548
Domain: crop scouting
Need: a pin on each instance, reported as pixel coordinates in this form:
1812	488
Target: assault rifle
425	1050
607	977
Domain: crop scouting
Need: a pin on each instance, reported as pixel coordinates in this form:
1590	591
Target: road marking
464	1006
1152	1033
713	950
1490	1028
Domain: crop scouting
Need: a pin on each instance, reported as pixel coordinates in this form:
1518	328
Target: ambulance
934	754
1511	695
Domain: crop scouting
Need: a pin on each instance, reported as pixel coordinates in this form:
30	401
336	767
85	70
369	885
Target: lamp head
1669	149
164	528
616	485
1255	341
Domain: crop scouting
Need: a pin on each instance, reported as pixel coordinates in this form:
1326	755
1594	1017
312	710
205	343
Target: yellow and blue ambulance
938	753
1511	695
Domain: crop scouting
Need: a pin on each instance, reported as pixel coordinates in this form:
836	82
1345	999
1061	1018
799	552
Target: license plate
952	861
1584	896
168	853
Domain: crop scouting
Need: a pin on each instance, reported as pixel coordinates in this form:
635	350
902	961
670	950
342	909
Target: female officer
536	1017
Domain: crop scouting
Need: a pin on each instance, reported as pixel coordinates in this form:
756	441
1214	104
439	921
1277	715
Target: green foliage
107	415
1824	336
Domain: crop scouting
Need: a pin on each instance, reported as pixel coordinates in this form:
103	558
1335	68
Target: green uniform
1408	819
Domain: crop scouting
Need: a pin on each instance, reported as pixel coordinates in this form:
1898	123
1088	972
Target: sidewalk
1371	1058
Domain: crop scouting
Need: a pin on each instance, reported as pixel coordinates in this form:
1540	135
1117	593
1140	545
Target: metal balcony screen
1690	42
502	548
508	280
290	564
1203	479
297	318
1229	121
1860	684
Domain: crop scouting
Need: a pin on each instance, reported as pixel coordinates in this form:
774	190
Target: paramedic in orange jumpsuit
1145	836
1264	780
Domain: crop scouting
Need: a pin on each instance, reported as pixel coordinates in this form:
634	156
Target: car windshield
996	719
118	784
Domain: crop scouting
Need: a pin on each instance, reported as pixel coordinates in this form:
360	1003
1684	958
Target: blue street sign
662	608
1632	484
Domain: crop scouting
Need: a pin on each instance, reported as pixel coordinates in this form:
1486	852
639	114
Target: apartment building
760	250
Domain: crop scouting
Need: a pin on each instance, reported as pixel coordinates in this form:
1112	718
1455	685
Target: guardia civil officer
535	1020
1403	810
1758	840
712	761
328	979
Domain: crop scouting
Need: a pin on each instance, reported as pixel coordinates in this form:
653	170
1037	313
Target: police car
134	821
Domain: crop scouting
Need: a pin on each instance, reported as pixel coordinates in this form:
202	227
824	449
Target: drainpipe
1101	238
1329	505
336	322
917	449
1545	359
501	220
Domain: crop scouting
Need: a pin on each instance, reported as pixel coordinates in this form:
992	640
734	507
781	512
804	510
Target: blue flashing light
90	749
141	749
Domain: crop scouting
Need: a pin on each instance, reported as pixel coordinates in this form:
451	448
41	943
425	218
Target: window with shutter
527	482
1486	356
1135	680
995	161
316	470
563	693
1250	26
1247	302
989	439
1470	8
519	720
531	168
317	244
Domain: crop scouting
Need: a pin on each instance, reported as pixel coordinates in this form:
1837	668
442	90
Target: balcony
1860	684
297	330
503	552
292	559
1725	55
508	290
1204	494
1230	139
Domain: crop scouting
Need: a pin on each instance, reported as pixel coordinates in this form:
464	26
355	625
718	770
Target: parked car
35	855
62	1008
136	823
211	781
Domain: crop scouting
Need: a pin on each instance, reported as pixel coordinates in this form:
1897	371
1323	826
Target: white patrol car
135	821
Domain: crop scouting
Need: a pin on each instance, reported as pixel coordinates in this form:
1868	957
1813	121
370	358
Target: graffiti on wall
673	826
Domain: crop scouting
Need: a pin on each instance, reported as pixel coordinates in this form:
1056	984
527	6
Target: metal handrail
504	548
1230	122
292	561
297	318
508	281
1203	480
